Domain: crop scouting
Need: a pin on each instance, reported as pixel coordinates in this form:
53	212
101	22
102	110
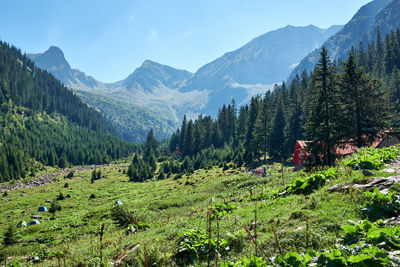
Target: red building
384	139
300	154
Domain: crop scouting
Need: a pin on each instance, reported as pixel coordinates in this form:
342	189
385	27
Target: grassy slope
171	207
132	121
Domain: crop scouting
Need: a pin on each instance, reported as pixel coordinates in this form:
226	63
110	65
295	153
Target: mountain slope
384	14
154	75
266	59
158	96
53	60
257	66
42	122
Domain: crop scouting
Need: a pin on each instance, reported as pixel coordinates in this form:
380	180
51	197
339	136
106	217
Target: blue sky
109	39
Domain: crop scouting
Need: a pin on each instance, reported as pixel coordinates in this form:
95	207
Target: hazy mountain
53	60
257	66
266	59
154	75
159	95
384	14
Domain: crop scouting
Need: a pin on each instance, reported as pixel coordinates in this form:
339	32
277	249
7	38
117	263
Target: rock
382	183
367	173
390	170
395	221
37	217
48	201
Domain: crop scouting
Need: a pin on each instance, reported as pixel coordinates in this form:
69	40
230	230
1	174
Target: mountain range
361	29
157	96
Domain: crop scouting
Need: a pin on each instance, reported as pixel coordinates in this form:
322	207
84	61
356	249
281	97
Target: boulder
367	173
382	183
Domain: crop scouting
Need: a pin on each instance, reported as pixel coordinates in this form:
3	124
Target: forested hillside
340	102
377	15
41	120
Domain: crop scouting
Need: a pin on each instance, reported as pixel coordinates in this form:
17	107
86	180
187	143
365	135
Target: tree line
337	103
41	121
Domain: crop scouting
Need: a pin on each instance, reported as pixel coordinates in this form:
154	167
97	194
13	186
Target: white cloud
293	65
153	35
188	33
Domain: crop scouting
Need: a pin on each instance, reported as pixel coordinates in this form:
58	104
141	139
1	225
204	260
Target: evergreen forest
44	123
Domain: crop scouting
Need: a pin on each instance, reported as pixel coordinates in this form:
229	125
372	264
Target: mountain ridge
252	69
362	28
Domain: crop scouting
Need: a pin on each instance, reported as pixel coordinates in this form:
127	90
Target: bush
221	209
381	205
122	216
60	196
10	237
193	245
54	207
253	261
372	159
70	174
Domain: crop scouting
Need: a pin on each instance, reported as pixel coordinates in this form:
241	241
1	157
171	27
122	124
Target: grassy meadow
171	207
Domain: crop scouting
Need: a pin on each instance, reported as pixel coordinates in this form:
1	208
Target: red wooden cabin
300	154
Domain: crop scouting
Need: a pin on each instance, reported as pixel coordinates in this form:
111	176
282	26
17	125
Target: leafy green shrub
194	245
370	233
381	205
253	261
122	216
294	259
221	209
372	158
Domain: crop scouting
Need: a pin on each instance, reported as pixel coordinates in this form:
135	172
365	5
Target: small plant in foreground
195	244
381	205
221	209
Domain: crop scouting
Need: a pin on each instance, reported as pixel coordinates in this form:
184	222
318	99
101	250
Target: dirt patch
45	179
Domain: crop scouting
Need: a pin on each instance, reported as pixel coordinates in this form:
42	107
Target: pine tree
262	128
277	131
250	145
365	109
151	144
9	237
322	124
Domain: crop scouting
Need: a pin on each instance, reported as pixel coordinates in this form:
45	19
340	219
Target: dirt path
45	178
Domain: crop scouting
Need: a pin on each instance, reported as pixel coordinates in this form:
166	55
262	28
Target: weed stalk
146	257
209	213
255	227
276	238
101	244
252	239
307	233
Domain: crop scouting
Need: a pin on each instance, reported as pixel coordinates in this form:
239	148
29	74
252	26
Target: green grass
171	207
